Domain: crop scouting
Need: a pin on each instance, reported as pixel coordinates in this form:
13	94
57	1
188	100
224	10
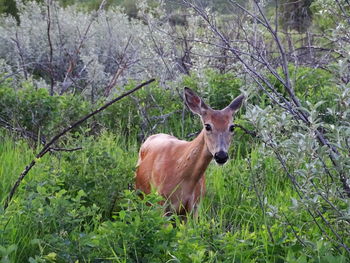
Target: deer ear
194	102
236	103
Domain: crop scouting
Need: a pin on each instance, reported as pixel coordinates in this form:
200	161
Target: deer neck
196	158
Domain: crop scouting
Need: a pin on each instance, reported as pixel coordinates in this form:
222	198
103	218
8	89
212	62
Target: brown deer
175	168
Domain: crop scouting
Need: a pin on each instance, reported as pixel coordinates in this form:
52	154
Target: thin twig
53	149
23	132
249	132
293	230
122	65
52	81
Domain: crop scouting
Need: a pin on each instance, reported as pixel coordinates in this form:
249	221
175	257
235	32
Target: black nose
221	157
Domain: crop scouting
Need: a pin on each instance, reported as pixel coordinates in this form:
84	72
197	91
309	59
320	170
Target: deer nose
221	157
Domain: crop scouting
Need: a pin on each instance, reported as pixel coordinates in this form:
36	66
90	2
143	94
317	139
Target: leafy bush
150	110
141	114
217	89
90	51
103	170
138	233
312	84
34	110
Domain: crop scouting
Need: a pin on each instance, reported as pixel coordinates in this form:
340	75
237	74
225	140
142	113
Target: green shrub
138	233
35	111
150	110
219	89
139	112
103	169
310	84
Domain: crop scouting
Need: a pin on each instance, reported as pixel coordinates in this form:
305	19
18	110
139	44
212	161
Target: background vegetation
283	196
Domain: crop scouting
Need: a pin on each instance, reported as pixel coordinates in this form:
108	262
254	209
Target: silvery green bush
90	51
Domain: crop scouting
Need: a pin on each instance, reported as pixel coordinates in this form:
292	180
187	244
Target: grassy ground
75	207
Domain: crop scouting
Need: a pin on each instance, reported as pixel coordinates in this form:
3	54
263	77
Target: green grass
62	211
14	156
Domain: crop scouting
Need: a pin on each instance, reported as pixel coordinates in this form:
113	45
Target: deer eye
207	127
232	128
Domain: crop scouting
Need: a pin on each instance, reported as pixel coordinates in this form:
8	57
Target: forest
83	83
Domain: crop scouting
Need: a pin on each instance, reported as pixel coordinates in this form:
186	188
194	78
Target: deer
175	168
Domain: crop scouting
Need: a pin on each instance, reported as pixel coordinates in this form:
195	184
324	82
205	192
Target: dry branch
23	132
52	81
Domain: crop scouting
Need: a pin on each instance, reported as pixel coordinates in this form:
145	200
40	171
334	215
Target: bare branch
21	56
52	81
122	65
251	133
23	132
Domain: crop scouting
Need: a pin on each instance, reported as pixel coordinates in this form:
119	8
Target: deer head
218	124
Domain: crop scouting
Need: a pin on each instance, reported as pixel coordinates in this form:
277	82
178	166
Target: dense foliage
62	213
283	196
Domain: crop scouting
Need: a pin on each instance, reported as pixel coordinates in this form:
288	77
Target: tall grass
14	156
75	207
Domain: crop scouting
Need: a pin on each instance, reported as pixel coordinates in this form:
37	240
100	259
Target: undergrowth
76	207
81	206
